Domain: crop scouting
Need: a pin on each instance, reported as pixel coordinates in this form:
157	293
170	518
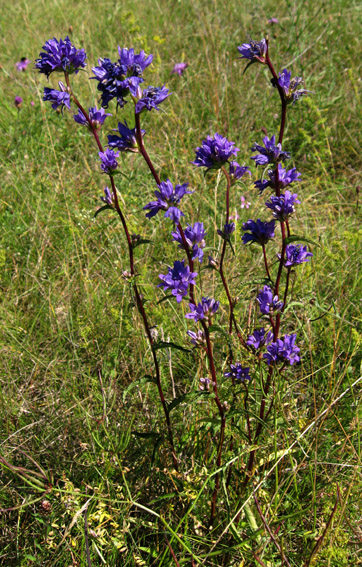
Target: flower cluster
214	152
260	232
118	80
290	86
151	97
283	350
269	153
283	206
194	236
59	99
197	338
60	56
285	178
96	117
255	51
167	198
178	279
268	302
259	338
108	161
237	171
204	310
126	141
238	372
296	254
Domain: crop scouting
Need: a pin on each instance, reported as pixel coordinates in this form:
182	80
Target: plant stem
138	297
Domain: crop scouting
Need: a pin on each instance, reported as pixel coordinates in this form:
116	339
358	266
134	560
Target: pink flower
244	204
22	64
179	68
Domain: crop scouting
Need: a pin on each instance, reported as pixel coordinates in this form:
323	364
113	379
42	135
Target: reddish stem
138	297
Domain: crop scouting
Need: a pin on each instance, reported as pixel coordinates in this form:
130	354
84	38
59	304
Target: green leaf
190	397
164	344
164	298
141	241
295	238
219	330
103	209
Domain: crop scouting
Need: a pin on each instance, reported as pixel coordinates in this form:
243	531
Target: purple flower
290	86
283	350
57	98
179	68
108	161
296	254
273	21
204	310
268	302
260	232
227	231
259	338
108	198
174	214
214	152
238	372
237	171
117	80
283	206
18	101
197	338
195	239
254	51
151	98
22	64
97	117
166	196
285	177
60	56
178	279
269	153
127	141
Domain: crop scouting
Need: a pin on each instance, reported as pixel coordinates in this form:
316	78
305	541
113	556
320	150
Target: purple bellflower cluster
214	152
296	254
59	99
118	80
283	350
269	153
195	239
282	206
254	51
290	86
285	178
151	98
259	338
204	310
268	302
22	64
237	171
238	372
60	56
96	117
178	280
126	141
109	161
167	197
260	232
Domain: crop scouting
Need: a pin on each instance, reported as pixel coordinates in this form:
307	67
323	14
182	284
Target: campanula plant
235	356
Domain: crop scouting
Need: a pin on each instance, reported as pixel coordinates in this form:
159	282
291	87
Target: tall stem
137	294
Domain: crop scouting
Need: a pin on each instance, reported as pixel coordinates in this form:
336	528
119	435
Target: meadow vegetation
83	436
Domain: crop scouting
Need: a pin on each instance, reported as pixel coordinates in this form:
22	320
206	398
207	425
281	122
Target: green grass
75	398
